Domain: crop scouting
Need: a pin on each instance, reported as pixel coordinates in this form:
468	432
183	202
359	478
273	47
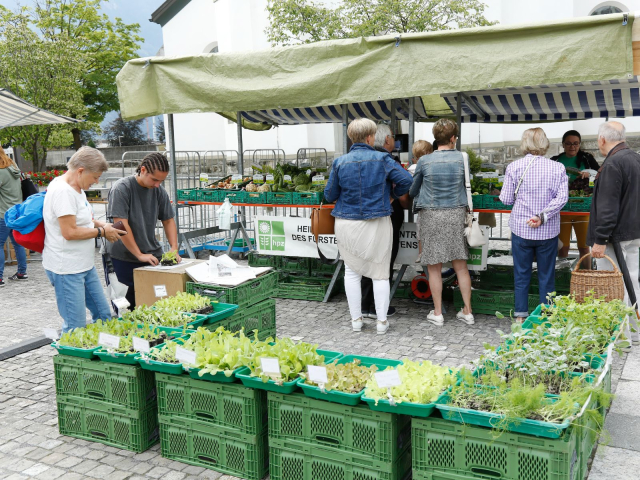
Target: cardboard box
148	281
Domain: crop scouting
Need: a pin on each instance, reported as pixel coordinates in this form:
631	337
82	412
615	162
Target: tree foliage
42	72
120	133
306	21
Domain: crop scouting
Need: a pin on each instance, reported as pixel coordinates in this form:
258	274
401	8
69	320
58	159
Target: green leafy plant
87	337
220	350
345	377
169	258
422	382
293	358
184	302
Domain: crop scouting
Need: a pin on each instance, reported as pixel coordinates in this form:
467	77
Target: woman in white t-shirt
68	255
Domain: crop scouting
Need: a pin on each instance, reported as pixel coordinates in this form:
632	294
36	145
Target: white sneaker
382	327
435	319
468	319
356	324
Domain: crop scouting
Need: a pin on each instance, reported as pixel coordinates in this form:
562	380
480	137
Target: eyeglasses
574	144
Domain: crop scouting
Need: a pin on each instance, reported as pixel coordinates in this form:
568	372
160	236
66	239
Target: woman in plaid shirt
537	187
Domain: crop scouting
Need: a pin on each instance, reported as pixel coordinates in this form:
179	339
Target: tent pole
459	119
394	108
412	137
174	169
240	163
345	124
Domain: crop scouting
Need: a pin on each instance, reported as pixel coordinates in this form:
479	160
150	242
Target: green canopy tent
574	68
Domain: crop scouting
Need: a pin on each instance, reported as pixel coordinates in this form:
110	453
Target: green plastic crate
234	196
120	385
317	267
187	194
356	430
116	426
448	450
578	204
404	290
254	198
221	449
240	242
489	302
280	198
247	294
291	461
492	202
261	317
208	195
478	201
295	264
307	198
258	260
230	406
303	287
87	353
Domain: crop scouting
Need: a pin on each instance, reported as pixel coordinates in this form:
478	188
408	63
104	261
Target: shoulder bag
323	223
27	186
473	232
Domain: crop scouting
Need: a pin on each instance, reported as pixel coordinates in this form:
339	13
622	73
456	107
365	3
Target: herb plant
293	358
345	377
87	337
169	258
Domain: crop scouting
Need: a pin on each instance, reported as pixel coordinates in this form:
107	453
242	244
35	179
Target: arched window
607	9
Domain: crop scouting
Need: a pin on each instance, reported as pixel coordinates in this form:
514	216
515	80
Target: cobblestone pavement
31	447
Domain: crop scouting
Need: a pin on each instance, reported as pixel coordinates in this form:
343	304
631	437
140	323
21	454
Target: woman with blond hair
419	150
10	195
69	245
362	183
439	193
537	187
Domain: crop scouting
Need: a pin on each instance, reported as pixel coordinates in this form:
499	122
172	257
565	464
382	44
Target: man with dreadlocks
139	201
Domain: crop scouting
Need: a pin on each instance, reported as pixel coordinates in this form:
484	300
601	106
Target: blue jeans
21	253
545	252
75	293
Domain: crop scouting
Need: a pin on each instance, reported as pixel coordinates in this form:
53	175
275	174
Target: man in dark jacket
615	208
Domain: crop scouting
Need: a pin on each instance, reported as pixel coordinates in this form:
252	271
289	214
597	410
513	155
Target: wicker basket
607	283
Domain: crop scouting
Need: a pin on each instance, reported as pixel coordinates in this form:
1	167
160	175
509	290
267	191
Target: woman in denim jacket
362	183
439	193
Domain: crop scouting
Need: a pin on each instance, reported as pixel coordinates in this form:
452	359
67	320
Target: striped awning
380	110
15	112
550	103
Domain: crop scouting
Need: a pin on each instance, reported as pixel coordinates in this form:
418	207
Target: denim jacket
439	181
362	183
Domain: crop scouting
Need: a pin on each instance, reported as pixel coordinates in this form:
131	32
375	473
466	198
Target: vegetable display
161	317
345	377
293	358
422	382
220	351
87	337
184	302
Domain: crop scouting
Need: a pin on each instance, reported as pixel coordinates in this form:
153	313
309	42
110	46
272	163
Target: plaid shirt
543	191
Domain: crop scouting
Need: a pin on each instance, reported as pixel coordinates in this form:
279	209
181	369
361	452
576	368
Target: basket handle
615	269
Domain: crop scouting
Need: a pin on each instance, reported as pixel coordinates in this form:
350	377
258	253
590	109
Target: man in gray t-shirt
139	201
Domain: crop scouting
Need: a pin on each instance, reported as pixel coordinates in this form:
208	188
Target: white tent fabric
15	112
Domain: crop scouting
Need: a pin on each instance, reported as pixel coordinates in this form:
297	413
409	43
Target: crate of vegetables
354	429
244	295
124	385
492	202
208	195
280	198
188	194
124	348
578	204
307	198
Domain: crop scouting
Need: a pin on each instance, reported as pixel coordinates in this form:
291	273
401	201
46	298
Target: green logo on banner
271	235
475	256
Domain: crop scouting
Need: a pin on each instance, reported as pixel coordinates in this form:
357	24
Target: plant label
317	374
308	171
318	180
141	345
236	179
160	290
204	177
121	303
270	366
258	178
388	378
270	179
185	356
109	341
287	179
51	333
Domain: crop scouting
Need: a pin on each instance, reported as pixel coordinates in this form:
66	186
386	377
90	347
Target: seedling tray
116	357
405	408
220	312
491	420
335	396
219	377
75	352
163	367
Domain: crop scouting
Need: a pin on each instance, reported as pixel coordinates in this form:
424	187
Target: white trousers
381	292
631	256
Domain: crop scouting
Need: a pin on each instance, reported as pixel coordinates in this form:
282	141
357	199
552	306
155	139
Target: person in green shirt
575	161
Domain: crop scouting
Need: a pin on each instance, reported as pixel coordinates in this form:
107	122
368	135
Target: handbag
27	186
323	223
473	233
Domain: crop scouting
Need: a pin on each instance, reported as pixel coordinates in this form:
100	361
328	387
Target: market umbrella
16	112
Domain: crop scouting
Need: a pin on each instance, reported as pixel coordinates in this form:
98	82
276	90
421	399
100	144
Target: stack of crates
256	306
319	440
221	426
106	402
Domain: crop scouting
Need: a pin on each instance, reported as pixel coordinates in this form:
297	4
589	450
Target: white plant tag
141	345
388	378
317	374
270	366
121	303
109	341
287	179
51	333
269	179
204	177
160	290
185	356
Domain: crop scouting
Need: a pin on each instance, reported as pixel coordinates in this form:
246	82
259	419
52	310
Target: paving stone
101	471
85	466
141	468
36	469
18	464
51	474
157	472
68	462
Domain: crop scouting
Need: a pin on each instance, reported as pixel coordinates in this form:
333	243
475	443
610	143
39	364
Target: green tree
44	73
305	21
107	45
121	133
160	132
